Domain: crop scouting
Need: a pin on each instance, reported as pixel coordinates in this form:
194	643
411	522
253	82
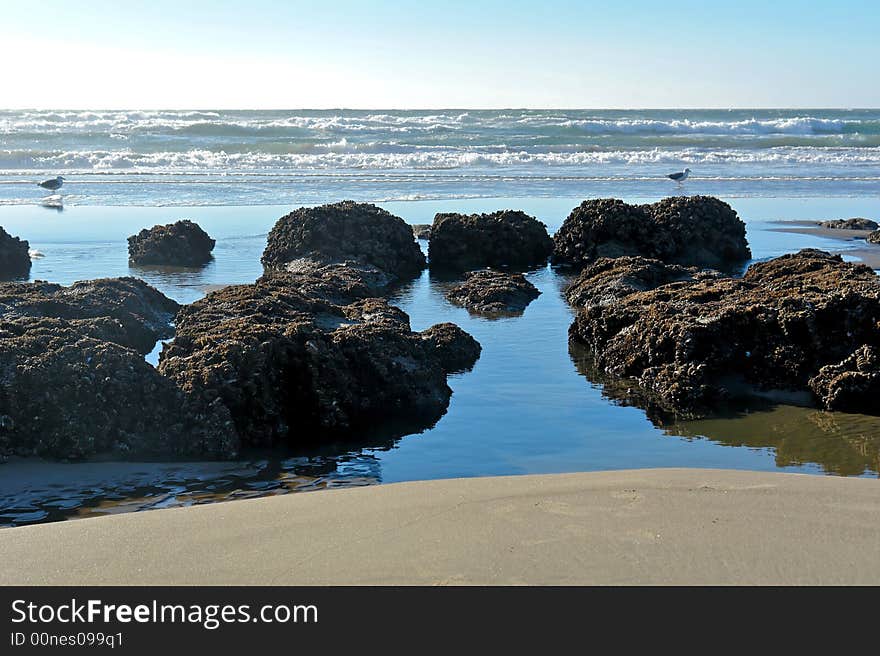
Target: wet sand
867	253
653	526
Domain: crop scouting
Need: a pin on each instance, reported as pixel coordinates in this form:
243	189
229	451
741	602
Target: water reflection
839	443
190	282
36	491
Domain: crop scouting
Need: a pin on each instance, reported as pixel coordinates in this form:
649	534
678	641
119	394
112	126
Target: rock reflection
839	443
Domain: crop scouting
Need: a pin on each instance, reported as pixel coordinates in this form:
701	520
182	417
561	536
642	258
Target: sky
184	54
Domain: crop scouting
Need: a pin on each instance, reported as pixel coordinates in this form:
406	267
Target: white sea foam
341	155
545	123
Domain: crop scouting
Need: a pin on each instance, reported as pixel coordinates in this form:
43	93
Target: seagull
52	184
679	177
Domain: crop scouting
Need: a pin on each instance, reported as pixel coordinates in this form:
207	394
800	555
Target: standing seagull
52	184
679	177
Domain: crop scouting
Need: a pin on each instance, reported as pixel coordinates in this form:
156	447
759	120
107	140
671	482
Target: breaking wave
340	156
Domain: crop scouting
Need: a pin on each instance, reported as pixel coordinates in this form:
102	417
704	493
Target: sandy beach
655	526
867	253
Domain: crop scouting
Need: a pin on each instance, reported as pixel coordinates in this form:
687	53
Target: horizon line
437	108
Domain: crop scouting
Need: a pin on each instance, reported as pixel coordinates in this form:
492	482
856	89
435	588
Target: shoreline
651	526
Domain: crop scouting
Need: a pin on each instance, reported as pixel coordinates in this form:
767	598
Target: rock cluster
508	238
850	224
695	340
293	364
873	237
177	244
345	231
74	383
311	351
493	293
15	261
693	231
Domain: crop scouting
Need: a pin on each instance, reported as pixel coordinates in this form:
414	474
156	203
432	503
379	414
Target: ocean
184	158
531	404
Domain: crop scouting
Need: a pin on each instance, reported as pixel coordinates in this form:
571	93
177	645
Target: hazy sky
504	53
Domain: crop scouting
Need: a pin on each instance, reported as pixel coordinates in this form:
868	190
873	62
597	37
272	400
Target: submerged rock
501	239
697	340
850	224
297	362
178	244
693	231
491	293
346	231
133	312
422	231
15	262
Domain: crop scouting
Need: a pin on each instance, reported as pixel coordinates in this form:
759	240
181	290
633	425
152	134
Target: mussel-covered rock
182	243
610	279
338	282
297	361
66	392
696	231
456	349
142	314
695	340
501	239
493	293
346	231
15	260
852	385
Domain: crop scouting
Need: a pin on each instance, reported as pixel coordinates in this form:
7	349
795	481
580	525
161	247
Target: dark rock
696	231
874	237
603	227
852	385
610	279
850	224
295	361
15	262
178	244
66	394
456	350
501	239
339	283
141	314
422	231
74	383
493	293
345	231
840	443
692	343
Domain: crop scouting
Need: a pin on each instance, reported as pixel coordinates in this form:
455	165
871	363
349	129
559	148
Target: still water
530	405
